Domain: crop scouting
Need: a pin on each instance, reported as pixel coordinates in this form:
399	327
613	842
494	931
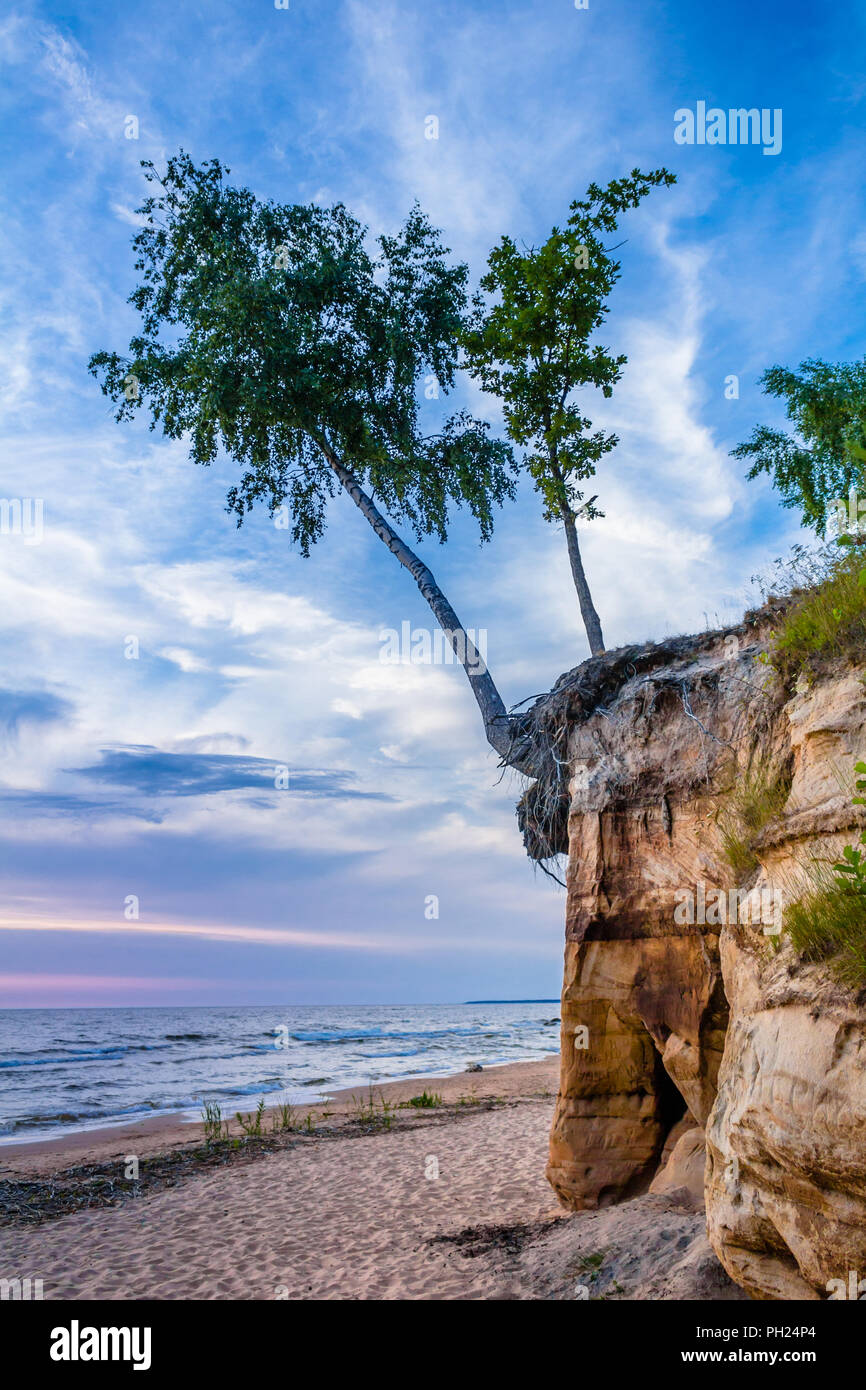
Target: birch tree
270	331
530	344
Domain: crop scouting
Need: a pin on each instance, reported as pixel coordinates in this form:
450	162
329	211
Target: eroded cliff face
679	1014
786	1138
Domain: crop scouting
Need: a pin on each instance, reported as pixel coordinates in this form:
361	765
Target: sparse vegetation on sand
252	1124
428	1100
368	1116
215	1127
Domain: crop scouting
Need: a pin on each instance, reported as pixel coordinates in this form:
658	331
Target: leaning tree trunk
499	726
591	620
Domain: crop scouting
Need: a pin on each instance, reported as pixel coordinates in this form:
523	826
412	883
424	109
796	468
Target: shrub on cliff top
819	467
828	620
823	606
823	458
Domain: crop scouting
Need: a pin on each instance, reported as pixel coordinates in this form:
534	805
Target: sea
76	1069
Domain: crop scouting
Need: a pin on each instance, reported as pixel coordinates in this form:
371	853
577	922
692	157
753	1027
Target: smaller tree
816	467
531	347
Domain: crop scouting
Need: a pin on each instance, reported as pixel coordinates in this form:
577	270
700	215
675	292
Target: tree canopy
271	330
818	464
530	344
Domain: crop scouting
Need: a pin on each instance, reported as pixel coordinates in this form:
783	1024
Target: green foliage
591	1261
828	619
853	864
736	847
252	1124
368	1116
285	1118
851	868
817	465
828	922
271	330
428	1100
589	1267
215	1127
757	795
531	345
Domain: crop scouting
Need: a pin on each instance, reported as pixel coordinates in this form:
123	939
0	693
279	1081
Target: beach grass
428	1100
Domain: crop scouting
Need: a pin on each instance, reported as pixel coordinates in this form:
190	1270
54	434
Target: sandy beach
449	1202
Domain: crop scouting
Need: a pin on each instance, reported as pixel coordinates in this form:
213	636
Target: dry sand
359	1216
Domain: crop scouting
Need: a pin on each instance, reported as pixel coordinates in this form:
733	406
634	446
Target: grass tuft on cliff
828	923
828	618
756	797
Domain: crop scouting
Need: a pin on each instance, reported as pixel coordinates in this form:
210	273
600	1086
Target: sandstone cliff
683	1009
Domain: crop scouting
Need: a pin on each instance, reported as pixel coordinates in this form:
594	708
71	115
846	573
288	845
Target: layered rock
786	1138
665	1031
681	1173
643	1008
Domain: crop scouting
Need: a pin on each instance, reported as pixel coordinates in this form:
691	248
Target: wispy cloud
22	707
152	772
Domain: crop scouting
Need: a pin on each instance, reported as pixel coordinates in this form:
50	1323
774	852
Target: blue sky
151	778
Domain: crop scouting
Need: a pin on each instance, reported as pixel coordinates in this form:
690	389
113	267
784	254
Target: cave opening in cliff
671	1108
671	1104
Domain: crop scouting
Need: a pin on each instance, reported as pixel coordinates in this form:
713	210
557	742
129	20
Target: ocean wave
370	1034
134	1069
60	1117
56	1057
259	1089
103	1055
409	1052
191	1037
